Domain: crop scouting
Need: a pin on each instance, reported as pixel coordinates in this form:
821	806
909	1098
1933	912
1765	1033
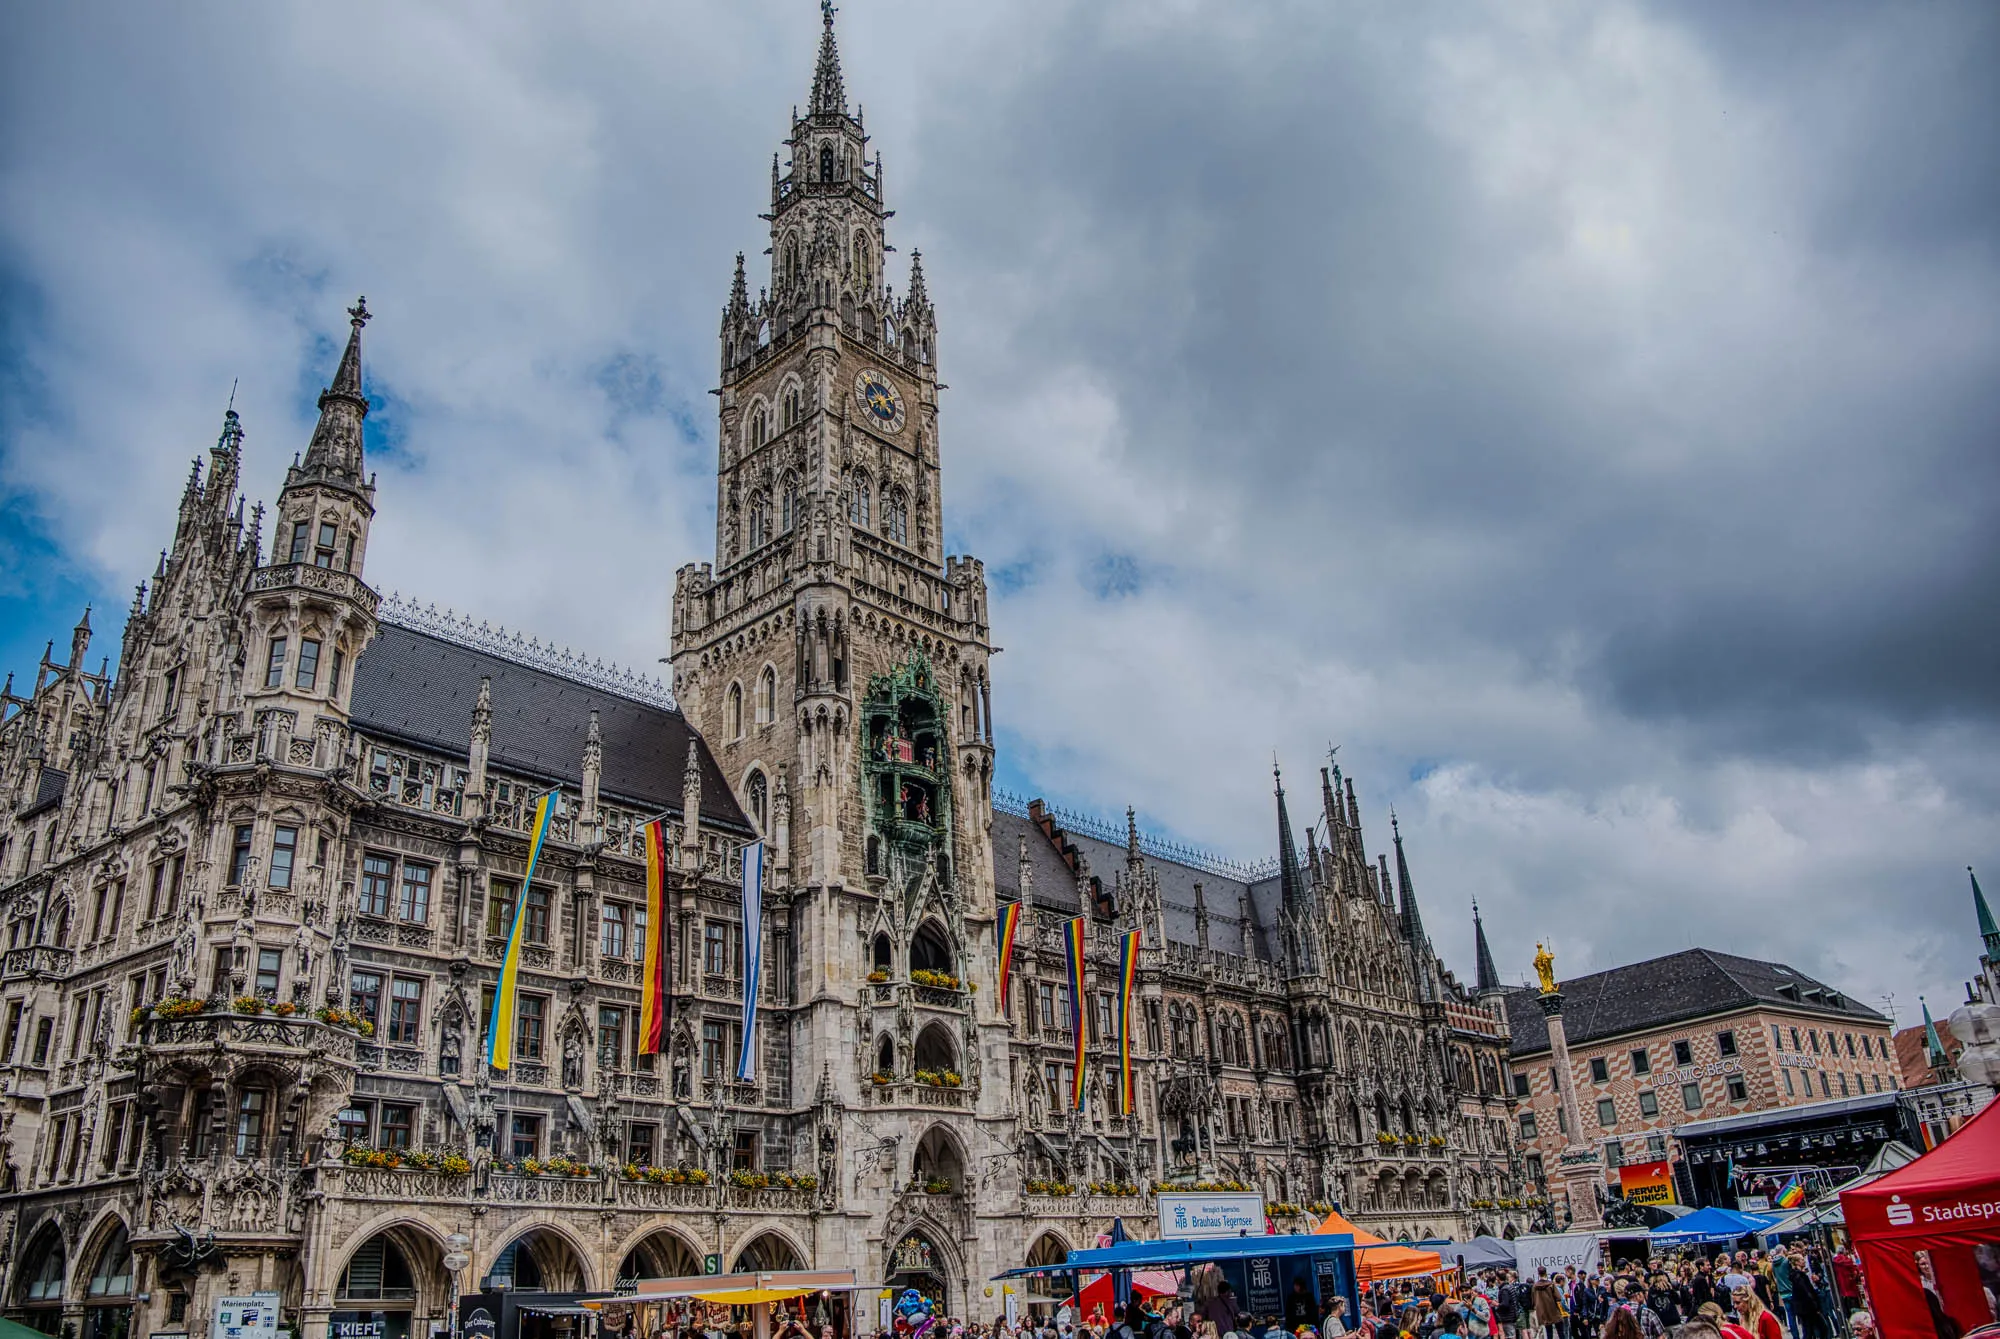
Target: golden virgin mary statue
1545	968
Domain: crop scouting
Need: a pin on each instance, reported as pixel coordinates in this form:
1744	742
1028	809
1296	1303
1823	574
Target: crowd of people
1794	1293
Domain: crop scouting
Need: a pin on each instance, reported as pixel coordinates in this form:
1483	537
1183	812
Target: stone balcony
35	961
219	1031
318	580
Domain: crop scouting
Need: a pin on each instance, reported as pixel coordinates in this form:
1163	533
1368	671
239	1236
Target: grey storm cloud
1584	415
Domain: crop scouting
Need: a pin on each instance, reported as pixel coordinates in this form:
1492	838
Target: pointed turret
829	94
919	297
1934	1055
481	742
79	641
1989	929
1489	975
335	451
1413	922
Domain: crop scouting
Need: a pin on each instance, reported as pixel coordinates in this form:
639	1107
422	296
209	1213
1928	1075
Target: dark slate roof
419	689
49	788
1694	983
1055	886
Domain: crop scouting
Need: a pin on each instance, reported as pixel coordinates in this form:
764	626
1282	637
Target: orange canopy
1376	1259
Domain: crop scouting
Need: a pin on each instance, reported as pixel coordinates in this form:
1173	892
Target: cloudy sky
1584	415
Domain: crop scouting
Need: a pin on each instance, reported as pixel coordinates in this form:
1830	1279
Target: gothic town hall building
255	886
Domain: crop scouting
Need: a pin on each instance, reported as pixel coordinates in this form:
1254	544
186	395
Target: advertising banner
1648	1182
1211	1214
1555	1251
1265	1298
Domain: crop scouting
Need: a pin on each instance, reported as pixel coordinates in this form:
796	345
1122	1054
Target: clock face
880	399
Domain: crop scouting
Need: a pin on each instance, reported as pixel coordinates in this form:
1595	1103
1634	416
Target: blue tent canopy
1713	1224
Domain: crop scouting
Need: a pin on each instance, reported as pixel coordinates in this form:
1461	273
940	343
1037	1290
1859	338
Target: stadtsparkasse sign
1208	1213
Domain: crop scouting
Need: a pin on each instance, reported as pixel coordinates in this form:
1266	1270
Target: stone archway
768	1251
539	1259
917	1260
662	1253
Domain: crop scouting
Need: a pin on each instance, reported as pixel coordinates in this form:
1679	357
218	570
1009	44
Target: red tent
1929	1233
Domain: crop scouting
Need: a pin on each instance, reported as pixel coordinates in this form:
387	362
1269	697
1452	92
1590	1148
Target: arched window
788	504
826	162
864	267
42	1276
113	1275
882	952
791	261
794	406
935	1051
896	516
874	855
735	716
885	1055
929	951
760	519
378	1270
858	508
759	792
760	427
767	696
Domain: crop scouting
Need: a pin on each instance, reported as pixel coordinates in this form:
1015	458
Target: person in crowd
1551	1320
1862	1325
1757	1320
1621	1324
1335	1323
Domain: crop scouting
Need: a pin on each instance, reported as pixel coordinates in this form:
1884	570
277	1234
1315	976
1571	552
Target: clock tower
832	656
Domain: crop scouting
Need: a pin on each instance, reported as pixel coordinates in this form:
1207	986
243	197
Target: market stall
1376	1259
1929	1234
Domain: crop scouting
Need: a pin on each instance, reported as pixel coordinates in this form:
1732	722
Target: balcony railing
222	1029
36	960
323	580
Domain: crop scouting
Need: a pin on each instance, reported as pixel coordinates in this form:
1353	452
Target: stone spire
1200	916
919	296
1413	923
335	451
593	770
691	812
482	742
1989	929
1290	884
829	95
1489	975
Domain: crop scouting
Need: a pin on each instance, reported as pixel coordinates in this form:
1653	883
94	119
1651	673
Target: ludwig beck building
257	888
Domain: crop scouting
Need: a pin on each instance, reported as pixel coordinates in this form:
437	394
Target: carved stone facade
255	891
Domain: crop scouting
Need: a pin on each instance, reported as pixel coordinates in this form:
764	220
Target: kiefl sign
1211	1214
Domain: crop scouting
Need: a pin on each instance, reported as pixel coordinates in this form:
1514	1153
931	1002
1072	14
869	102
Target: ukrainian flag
500	1028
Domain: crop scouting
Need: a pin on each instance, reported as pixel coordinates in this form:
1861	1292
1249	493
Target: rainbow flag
653	984
1791	1196
500	1027
1073	952
1010	926
753	954
1128	977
